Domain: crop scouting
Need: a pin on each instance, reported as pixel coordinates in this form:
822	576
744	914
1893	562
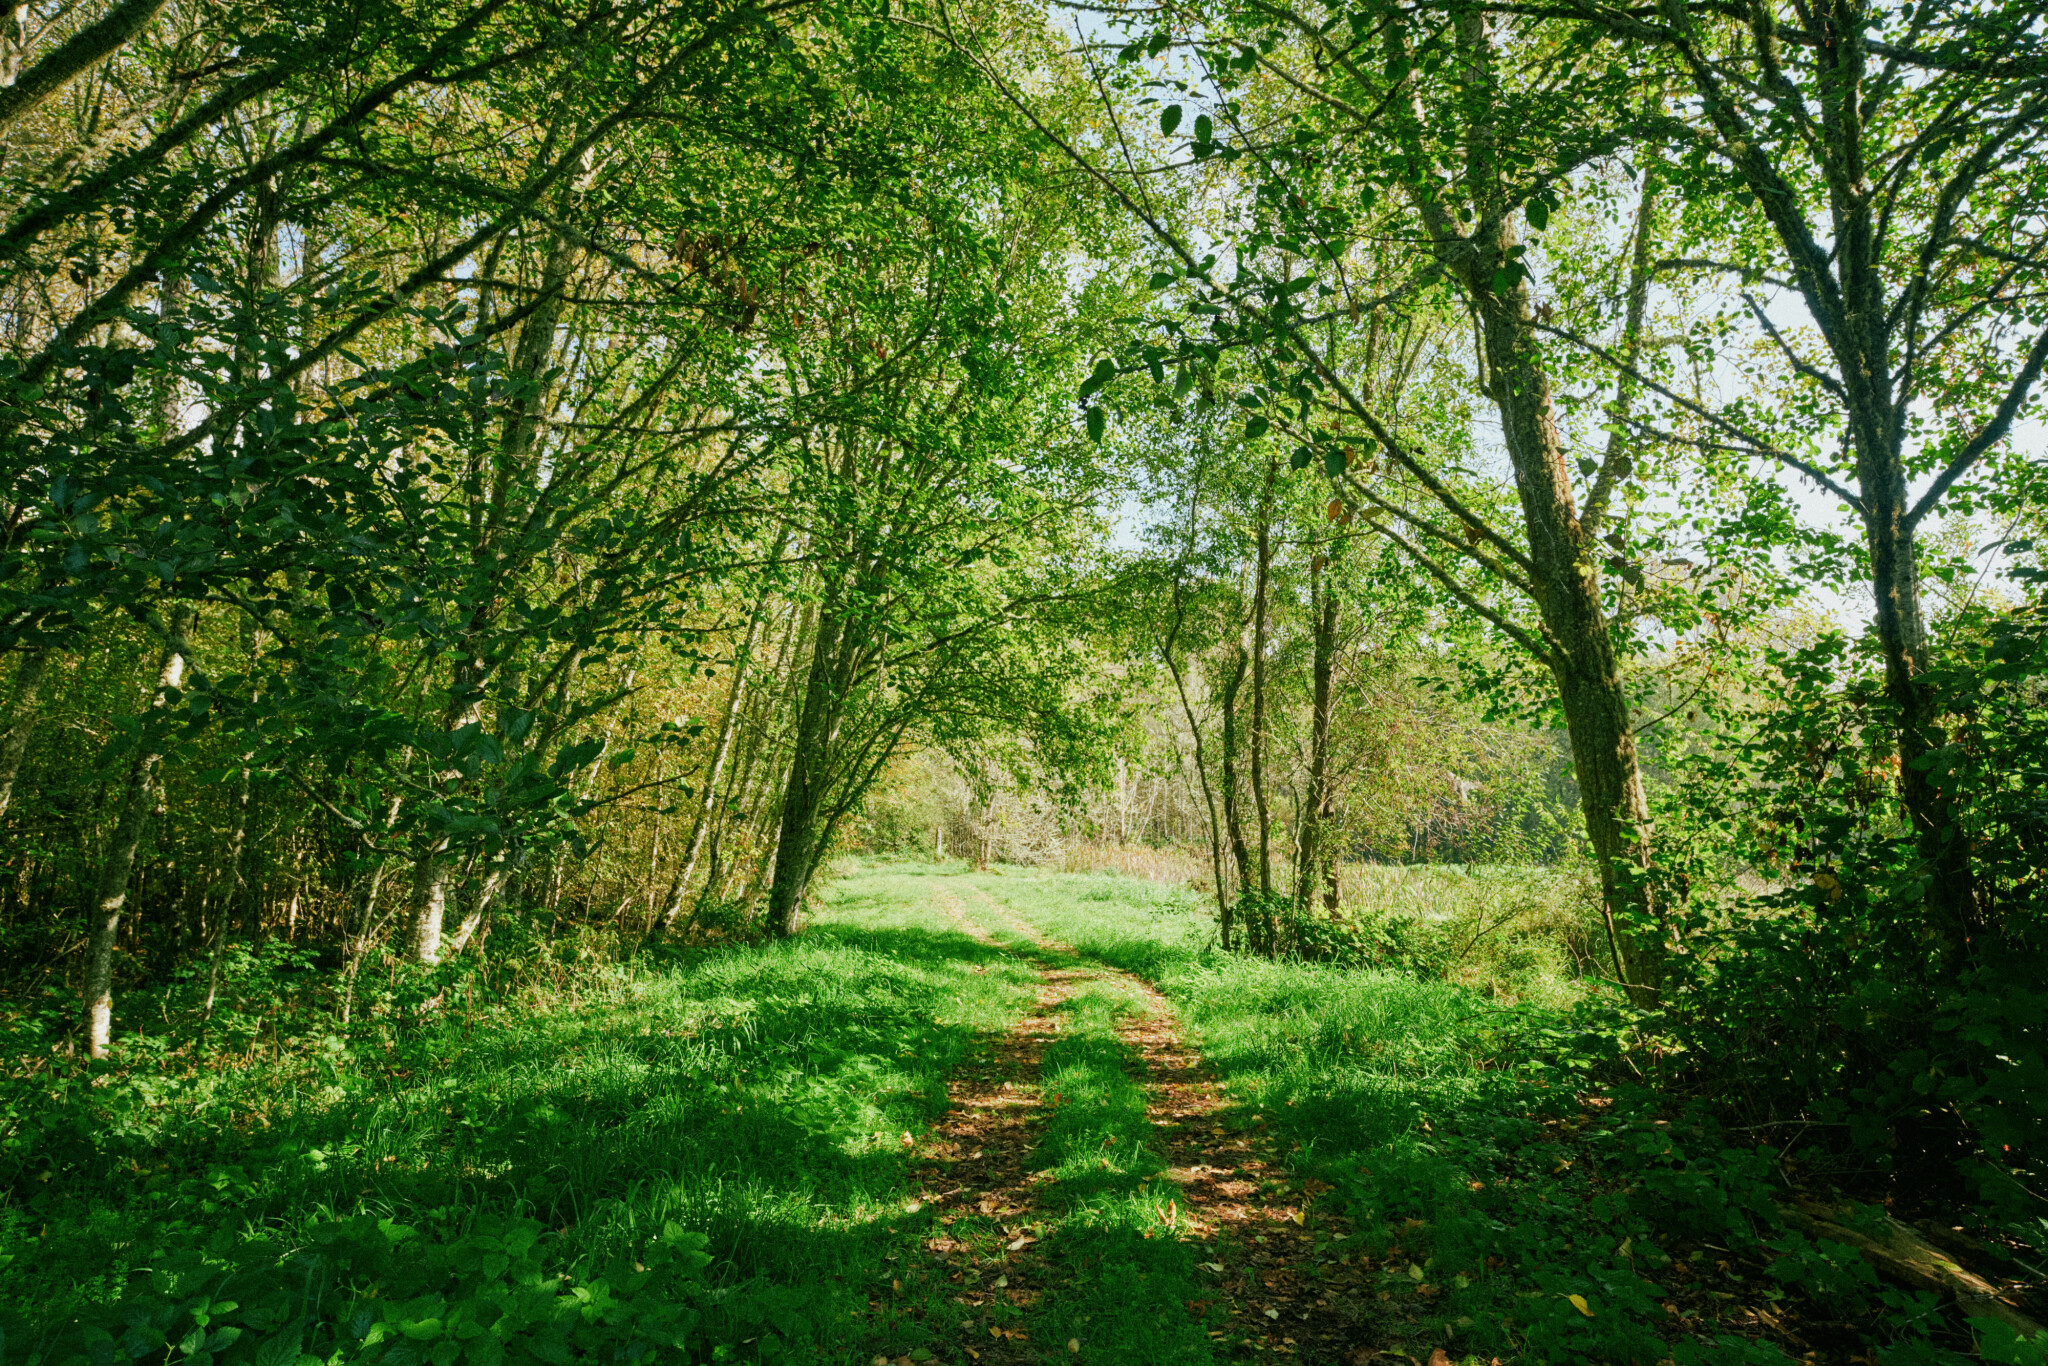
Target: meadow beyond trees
1011	681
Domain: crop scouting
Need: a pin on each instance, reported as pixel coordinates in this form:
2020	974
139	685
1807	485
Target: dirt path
977	1174
1278	1279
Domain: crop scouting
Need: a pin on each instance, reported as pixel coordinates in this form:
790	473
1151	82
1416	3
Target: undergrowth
1527	1196
745	1107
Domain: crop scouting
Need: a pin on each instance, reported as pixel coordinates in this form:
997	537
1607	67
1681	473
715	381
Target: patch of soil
977	1181
1282	1294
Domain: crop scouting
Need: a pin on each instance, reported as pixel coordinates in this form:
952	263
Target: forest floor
1004	1117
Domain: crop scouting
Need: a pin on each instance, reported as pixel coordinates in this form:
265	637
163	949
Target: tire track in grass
1040	1172
981	1192
1283	1275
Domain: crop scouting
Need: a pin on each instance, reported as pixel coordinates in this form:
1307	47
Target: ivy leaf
1169	119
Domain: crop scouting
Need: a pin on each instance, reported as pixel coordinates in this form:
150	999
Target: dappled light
887	682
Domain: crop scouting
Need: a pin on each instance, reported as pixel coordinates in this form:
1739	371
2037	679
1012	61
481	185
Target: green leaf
1169	119
1105	371
1256	426
1098	421
1538	214
1203	128
1299	460
1333	461
1508	276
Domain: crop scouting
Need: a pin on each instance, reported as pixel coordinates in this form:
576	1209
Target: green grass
1129	1279
1439	1118
708	1151
756	1096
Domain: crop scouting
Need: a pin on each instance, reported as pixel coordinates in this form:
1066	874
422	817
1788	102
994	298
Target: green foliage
373	1290
753	1098
1486	1147
1833	995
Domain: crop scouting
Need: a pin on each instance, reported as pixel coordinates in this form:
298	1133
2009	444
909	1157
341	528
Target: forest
1023	681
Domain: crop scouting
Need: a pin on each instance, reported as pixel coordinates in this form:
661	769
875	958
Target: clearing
1003	1117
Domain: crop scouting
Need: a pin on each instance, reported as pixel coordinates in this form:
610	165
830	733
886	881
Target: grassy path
1009	1117
1099	1198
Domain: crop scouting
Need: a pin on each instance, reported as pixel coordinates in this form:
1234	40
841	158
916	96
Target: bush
1827	997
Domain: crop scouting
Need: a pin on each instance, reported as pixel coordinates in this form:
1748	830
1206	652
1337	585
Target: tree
1871	171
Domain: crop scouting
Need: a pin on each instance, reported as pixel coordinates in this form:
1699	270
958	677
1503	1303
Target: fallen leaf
1272	1313
1018	1244
1414	1272
1578	1302
896	1286
1216	1267
1073	1344
908	1141
1002	1282
1439	1357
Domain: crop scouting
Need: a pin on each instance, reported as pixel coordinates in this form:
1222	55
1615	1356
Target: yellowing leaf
1414	1272
1073	1344
1578	1302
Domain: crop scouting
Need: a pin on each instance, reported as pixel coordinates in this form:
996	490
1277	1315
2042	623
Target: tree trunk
1261	595
1208	792
21	717
430	902
803	796
1316	810
1564	562
111	896
1233	818
1584	664
1952	903
728	727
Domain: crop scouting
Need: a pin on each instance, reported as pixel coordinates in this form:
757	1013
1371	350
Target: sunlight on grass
1432	1113
755	1095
